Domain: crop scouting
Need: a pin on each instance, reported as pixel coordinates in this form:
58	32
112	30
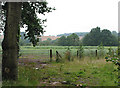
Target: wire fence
44	54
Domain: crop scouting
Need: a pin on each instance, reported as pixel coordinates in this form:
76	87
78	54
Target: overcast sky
81	16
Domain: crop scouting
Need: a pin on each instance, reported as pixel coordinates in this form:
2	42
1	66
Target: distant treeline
97	36
93	38
78	33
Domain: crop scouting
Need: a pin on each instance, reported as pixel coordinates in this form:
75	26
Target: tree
73	40
115	33
54	42
108	39
87	40
9	44
62	41
96	37
47	42
92	37
13	11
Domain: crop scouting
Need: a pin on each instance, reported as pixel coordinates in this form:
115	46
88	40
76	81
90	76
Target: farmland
35	68
44	50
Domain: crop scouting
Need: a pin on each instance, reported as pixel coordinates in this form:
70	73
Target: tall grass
87	72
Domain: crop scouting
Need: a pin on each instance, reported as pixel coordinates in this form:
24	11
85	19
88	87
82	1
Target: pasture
44	51
35	68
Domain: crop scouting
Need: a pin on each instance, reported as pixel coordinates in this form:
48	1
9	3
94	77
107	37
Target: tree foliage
78	33
35	26
71	40
62	41
97	36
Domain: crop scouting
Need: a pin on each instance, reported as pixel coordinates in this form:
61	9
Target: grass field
43	52
36	70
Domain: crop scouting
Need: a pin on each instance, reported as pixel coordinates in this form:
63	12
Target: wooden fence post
50	55
77	53
57	57
96	53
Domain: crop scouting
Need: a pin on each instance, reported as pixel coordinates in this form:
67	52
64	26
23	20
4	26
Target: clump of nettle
80	51
112	56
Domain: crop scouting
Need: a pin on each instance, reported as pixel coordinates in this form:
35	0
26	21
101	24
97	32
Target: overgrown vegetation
112	56
37	71
80	51
85	72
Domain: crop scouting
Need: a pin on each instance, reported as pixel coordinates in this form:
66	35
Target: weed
61	67
80	51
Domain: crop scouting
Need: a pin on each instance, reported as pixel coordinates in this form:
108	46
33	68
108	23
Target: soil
36	63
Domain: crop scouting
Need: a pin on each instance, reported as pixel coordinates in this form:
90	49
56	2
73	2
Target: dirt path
36	63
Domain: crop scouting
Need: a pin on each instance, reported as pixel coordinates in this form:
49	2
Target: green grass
63	47
89	71
85	72
43	52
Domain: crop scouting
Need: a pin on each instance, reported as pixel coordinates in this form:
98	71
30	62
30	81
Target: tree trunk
10	43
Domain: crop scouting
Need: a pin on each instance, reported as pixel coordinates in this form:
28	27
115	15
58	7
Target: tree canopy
97	36
71	40
35	25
